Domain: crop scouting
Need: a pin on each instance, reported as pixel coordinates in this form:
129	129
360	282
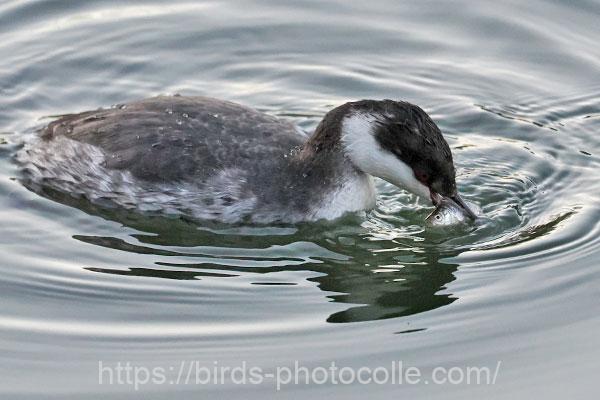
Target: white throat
365	152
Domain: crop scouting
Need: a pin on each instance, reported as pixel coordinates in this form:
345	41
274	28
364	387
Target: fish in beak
461	203
450	210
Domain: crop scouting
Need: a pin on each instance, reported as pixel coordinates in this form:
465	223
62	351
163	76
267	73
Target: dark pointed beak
458	200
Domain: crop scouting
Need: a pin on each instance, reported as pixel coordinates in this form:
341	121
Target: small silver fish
447	213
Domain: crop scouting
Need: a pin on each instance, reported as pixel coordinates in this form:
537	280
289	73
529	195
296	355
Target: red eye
421	176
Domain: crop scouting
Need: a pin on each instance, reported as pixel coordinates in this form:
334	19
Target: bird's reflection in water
378	279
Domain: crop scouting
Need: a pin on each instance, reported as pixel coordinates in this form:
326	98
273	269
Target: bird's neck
345	141
327	137
344	133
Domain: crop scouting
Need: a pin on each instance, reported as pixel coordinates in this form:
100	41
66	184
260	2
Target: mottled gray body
205	157
216	160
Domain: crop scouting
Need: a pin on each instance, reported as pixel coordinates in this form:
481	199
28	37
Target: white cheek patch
366	153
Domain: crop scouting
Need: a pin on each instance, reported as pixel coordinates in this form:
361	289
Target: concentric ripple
512	85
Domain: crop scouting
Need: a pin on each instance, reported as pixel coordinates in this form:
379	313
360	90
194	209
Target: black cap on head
409	133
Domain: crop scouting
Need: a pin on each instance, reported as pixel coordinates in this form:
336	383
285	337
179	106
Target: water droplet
179	122
185	115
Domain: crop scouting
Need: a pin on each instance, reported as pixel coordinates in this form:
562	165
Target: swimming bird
216	160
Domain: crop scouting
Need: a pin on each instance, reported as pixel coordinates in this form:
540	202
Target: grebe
216	160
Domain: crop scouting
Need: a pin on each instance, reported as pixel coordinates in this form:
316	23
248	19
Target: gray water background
513	85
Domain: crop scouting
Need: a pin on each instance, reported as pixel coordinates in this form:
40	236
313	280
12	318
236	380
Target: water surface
513	86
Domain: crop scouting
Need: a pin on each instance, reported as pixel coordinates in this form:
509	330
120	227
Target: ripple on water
377	267
81	283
